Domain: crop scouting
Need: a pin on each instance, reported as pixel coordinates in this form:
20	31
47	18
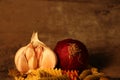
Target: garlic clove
39	51
22	64
18	54
49	59
32	62
29	51
31	57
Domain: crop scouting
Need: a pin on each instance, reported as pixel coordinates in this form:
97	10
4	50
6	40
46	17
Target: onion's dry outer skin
34	55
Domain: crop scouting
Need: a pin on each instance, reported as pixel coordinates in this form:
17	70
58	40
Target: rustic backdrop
94	22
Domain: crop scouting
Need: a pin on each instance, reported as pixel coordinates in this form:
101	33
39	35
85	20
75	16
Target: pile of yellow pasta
58	74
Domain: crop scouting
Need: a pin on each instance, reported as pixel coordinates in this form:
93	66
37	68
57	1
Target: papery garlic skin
35	55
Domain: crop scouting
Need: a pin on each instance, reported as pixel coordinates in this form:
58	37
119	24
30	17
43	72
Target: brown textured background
94	22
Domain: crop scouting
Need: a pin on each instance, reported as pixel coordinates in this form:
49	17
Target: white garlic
34	55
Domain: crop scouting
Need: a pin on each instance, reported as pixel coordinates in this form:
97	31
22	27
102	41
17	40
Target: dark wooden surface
95	23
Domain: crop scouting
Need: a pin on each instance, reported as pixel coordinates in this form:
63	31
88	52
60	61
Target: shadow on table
100	60
114	78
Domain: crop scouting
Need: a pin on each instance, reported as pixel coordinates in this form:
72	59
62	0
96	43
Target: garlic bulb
34	55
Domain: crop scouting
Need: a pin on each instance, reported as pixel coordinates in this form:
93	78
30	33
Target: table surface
93	22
